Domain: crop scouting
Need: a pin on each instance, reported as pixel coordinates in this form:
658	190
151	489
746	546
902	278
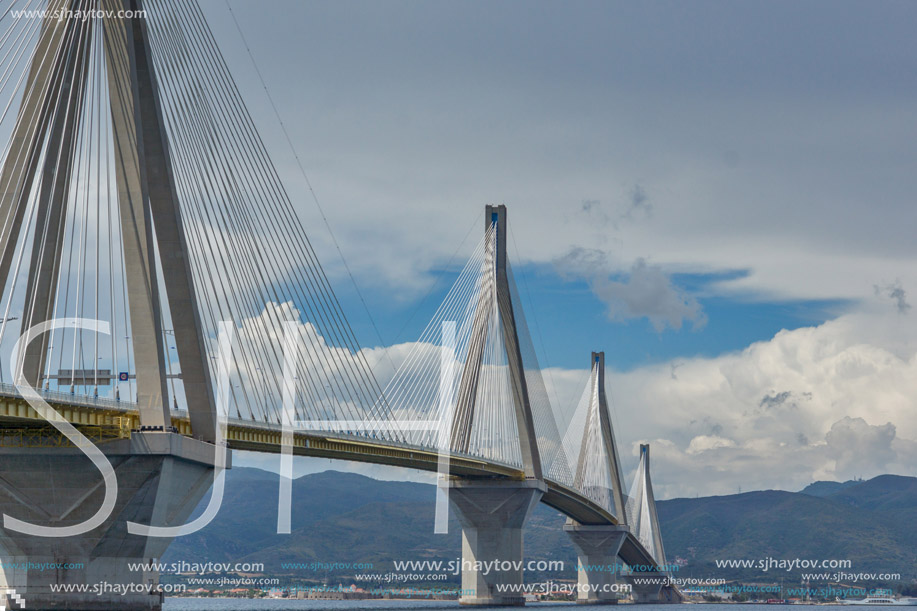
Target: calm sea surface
244	604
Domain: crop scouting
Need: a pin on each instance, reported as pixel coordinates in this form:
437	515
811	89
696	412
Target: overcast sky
720	195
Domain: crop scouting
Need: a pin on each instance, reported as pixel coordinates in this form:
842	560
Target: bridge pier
597	550
670	594
492	514
661	591
161	479
646	593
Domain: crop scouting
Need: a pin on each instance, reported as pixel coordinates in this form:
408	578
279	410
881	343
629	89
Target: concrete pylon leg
670	594
161	479
646	594
492	514
660	592
597	550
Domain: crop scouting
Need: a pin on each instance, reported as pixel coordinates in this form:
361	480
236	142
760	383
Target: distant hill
783	525
341	517
827	488
890	500
344	517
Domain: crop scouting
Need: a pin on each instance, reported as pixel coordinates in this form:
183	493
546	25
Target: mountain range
347	518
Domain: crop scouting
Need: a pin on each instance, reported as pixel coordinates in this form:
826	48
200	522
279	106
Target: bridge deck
105	419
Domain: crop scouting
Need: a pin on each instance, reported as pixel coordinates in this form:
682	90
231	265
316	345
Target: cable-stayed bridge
162	304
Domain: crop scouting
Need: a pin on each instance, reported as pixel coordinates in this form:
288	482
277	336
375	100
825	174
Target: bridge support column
597	550
161	479
670	594
492	514
647	593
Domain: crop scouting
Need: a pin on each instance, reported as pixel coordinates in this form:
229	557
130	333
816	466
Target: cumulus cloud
833	401
856	446
704	443
646	291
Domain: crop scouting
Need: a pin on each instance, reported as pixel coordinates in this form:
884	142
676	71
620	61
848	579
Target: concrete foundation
647	593
661	592
597	550
161	479
492	514
670	594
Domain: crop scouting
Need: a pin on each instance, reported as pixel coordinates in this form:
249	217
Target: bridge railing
56	396
94	402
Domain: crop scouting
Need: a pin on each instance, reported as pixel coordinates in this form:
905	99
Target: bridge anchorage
170	308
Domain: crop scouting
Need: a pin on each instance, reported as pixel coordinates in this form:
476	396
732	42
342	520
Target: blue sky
567	321
754	153
718	194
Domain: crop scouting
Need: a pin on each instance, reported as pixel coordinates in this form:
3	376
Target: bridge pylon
641	508
598	467
492	512
161	475
494	315
598	475
644	525
39	166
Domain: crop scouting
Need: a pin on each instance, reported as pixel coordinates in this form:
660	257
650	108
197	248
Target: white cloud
647	291
760	160
834	401
855	445
704	443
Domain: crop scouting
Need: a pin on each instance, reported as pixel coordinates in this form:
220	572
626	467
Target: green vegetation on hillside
348	518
